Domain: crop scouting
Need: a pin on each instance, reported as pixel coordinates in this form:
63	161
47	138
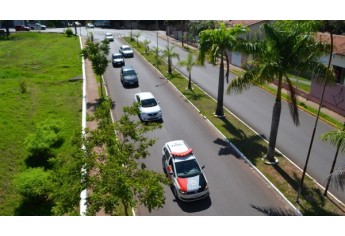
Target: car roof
117	54
127	67
179	148
145	95
125	46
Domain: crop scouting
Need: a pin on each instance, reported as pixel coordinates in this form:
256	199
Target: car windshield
117	56
126	49
129	72
109	34
185	169
151	102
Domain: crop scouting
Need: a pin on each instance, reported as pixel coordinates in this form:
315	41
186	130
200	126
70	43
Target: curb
233	146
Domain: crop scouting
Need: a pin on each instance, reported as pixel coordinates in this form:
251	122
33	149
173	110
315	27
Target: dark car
22	28
117	60
128	76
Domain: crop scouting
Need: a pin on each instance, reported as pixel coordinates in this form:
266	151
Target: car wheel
175	193
164	170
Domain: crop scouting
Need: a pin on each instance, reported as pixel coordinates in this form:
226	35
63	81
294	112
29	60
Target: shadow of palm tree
225	148
271	211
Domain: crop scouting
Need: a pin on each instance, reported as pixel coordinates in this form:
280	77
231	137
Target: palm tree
189	63
287	47
215	43
336	138
169	54
146	45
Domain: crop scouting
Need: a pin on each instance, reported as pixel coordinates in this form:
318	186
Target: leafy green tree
97	53
215	43
288	46
169	53
33	183
189	63
117	174
196	26
66	175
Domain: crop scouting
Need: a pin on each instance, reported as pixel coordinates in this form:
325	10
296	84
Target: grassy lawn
285	176
43	63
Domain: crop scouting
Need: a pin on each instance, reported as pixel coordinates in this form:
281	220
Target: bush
46	137
68	32
33	183
23	86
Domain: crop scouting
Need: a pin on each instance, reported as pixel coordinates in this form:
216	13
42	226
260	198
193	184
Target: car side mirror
202	167
158	102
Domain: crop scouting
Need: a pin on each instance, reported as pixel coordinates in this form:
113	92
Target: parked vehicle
22	28
90	26
117	59
37	26
126	51
180	164
149	109
129	76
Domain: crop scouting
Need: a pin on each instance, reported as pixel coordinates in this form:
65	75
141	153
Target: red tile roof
245	22
338	42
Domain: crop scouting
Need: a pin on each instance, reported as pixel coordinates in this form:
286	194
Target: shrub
33	183
23	86
68	32
46	137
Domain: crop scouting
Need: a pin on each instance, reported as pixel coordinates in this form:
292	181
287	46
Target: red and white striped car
180	164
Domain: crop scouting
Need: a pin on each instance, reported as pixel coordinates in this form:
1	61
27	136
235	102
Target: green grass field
43	63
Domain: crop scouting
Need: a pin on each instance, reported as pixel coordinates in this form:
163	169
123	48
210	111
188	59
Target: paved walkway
92	98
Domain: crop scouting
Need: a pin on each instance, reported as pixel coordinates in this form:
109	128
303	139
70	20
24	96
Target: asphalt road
254	107
235	188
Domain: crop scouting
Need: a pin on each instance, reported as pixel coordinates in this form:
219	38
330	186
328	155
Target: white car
149	108
179	163
126	51
109	36
90	26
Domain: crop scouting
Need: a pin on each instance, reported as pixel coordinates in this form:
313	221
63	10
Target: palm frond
336	138
293	103
241	83
337	179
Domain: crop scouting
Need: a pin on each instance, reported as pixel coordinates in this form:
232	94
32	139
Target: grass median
285	175
39	79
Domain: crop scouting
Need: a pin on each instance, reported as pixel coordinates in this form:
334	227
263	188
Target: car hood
118	59
127	51
149	110
193	183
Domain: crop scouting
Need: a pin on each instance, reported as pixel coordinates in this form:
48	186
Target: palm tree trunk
275	124
169	65
219	109
189	81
